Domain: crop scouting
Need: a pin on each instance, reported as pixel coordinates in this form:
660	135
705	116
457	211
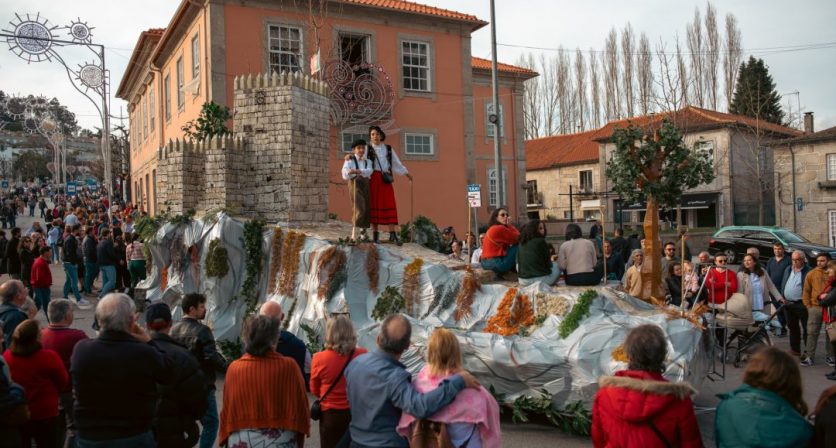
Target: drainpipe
794	207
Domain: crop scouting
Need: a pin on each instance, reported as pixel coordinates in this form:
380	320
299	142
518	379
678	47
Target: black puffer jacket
183	402
201	343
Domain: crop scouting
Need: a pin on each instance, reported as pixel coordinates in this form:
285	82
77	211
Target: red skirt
383	208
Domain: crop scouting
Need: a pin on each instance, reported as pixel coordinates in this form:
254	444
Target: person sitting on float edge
535	263
499	249
578	258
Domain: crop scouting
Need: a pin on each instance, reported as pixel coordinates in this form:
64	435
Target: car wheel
730	257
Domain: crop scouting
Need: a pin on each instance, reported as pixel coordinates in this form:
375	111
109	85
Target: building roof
561	150
485	64
821	136
151	35
417	8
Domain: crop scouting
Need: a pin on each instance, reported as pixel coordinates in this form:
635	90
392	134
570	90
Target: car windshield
789	237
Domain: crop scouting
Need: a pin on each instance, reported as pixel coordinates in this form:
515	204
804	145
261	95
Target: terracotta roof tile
485	64
418	8
823	135
561	150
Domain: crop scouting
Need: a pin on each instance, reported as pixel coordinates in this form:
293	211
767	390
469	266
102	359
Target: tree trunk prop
651	269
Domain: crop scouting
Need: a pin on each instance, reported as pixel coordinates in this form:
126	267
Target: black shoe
783	333
376	237
831	376
393	238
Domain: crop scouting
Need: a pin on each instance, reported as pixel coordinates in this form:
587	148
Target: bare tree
682	74
580	89
732	56
628	47
694	40
610	63
644	74
563	84
672	82
594	90
548	72
532	100
712	56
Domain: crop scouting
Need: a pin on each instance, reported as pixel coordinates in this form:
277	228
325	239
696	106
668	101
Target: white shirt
364	165
382	162
474	259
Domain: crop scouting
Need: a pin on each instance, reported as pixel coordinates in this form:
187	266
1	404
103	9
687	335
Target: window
585	180
167	97
195	57
706	147
492	187
531	194
416	65
285	48
831	167
181	96
152	111
354	50
144	118
489	127
832	220
349	137
154	181
418	144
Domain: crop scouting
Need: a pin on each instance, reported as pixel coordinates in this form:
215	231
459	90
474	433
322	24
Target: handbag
316	407
831	331
388	178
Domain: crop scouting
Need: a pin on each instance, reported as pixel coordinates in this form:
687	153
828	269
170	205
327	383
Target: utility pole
495	118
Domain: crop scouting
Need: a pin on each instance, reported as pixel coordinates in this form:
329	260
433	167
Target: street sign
4	184
799	204
474	195
71	189
92	185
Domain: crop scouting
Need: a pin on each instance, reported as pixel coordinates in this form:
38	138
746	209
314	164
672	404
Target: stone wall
274	166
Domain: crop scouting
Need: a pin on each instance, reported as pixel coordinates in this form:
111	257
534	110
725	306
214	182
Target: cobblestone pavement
533	435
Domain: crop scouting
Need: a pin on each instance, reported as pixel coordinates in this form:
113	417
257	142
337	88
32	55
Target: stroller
744	337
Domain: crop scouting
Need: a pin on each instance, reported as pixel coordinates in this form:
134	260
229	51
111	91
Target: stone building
805	176
274	167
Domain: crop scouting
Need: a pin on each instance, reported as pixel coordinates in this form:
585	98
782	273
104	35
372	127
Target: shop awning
689	201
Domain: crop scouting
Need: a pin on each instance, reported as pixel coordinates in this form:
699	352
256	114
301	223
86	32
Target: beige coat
633	281
744	285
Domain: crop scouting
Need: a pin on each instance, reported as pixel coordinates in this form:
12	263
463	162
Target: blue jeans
91	271
143	440
72	280
108	279
55	254
501	265
42	296
549	279
210	422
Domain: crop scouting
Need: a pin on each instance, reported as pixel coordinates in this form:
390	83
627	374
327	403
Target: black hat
358	142
158	315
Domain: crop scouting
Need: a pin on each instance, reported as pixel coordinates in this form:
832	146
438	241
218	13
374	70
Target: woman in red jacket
721	282
42	375
638	407
499	249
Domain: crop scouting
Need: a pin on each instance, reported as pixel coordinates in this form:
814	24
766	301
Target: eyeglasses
503	214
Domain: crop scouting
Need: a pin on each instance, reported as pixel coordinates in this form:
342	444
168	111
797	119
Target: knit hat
158	316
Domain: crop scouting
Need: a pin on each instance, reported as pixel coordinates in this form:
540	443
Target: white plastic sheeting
568	368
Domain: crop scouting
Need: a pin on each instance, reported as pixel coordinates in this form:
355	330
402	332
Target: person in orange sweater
41	279
265	403
499	249
328	381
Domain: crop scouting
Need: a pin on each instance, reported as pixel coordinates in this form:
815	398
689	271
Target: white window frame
830	166
152	114
181	95
195	56
831	224
492	187
591	186
348	137
167	96
489	127
144	118
406	52
414	135
282	51
709	147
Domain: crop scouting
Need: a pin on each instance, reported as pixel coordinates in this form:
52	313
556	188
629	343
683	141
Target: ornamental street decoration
360	94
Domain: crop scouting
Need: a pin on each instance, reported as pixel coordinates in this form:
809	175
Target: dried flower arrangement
372	265
177	252
464	299
194	262
253	260
513	315
333	261
618	354
275	260
445	295
290	261
549	304
694	315
411	284
217	259
290	313
389	302
164	279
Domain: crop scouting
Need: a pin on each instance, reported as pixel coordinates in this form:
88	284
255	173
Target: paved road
532	435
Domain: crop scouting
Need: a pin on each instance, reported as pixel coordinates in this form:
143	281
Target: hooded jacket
630	404
752	417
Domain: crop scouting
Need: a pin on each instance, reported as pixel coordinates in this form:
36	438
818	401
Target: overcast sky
765	26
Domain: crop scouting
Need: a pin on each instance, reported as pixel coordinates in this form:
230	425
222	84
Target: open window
354	50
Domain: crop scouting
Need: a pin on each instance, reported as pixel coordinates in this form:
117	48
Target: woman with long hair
827	299
499	249
385	161
756	285
43	376
265	403
472	419
327	375
638	407
768	409
824	418
533	258
578	258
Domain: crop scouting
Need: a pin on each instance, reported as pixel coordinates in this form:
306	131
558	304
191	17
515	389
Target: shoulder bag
388	178
316	407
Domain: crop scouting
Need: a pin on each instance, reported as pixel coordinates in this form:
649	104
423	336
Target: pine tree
755	95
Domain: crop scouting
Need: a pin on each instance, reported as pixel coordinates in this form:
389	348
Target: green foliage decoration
423	231
579	312
573	418
217	260
231	350
314	343
390	301
210	123
253	261
656	164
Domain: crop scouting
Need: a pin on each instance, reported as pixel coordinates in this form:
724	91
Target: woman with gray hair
633	276
638	406
328	382
265	403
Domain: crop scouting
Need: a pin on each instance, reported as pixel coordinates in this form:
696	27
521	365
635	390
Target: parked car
733	241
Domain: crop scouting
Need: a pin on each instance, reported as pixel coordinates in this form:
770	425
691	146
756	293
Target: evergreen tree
755	95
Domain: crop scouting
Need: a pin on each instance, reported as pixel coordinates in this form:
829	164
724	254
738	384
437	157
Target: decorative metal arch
360	94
